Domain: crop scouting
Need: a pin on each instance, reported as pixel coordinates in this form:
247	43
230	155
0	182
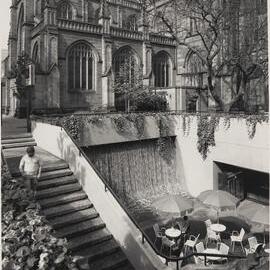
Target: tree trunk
212	89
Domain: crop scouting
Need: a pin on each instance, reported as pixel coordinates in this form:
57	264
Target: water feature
135	169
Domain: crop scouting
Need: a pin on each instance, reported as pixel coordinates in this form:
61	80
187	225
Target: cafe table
218	228
173	233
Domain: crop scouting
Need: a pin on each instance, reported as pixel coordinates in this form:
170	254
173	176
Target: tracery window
162	70
131	23
65	11
81	67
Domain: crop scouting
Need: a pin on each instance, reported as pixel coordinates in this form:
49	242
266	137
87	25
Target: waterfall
135	169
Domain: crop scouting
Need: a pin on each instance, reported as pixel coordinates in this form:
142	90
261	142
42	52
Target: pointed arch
162	69
36	53
82	60
65	10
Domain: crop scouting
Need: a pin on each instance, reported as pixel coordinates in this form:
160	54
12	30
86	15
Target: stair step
110	262
17	136
98	251
66	208
89	239
59	165
61	181
17	140
62	199
18	145
57	191
55	174
81	228
74	218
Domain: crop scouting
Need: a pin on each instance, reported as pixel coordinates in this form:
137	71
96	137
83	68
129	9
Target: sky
4	23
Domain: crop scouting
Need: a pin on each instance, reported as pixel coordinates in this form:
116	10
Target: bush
27	240
151	102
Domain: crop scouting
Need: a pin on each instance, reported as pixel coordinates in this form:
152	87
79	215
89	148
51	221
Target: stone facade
53	30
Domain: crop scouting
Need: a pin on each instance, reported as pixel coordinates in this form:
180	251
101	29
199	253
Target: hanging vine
73	125
251	122
206	133
186	122
122	125
207	125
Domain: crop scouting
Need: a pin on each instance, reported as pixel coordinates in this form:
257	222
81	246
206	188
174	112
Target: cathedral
77	48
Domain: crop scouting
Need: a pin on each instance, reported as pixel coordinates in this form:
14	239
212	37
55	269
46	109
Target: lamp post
30	81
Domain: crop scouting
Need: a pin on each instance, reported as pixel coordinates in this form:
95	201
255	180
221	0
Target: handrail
144	235
168	112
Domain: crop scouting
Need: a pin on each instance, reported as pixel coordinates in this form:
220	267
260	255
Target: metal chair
224	250
191	242
200	249
208	223
159	233
212	236
237	238
253	244
167	243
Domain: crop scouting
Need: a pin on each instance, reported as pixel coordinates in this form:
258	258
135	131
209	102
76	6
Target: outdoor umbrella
173	204
258	215
218	199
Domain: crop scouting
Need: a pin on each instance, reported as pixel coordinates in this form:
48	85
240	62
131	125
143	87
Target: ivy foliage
207	125
206	133
27	239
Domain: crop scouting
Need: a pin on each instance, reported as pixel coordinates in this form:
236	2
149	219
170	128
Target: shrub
27	239
151	102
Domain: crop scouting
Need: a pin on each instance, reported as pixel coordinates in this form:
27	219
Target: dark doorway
244	183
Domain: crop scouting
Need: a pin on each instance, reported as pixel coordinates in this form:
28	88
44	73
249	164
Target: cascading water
135	169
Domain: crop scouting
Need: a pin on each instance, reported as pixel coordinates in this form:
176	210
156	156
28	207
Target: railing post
205	262
177	265
143	238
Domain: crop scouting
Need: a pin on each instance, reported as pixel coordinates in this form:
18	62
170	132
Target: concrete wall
56	141
106	133
233	146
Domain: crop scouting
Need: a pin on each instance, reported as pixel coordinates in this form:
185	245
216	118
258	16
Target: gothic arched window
81	67
64	11
35	54
131	23
162	70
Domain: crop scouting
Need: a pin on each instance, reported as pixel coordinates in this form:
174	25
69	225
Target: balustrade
79	26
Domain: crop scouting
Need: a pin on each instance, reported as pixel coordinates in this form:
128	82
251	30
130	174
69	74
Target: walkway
13	126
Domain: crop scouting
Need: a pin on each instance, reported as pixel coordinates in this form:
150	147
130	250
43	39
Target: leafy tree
20	73
128	83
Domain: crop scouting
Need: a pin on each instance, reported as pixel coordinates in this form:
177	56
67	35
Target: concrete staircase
16	141
69	210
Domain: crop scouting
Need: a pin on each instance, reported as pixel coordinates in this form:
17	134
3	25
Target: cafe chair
159	232
237	237
200	249
178	225
224	250
191	242
253	244
212	236
167	243
208	223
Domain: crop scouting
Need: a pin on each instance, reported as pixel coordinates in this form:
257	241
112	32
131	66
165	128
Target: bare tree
228	38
